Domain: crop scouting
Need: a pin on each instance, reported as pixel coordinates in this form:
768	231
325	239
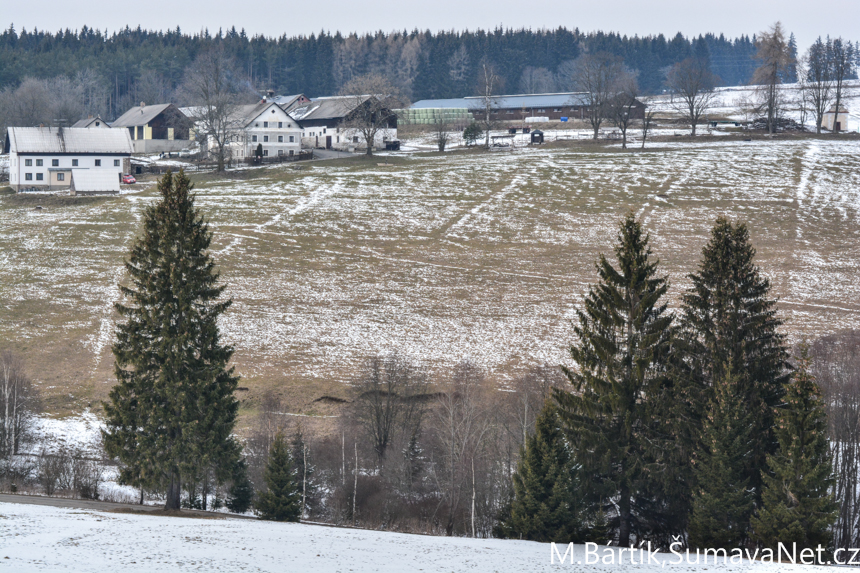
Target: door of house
838	126
328	142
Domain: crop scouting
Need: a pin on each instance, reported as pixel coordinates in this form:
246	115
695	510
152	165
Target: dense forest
134	65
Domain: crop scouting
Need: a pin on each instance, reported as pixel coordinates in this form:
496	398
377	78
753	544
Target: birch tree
18	404
488	83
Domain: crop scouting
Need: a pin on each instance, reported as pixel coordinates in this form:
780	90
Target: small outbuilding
155	128
833	121
537	136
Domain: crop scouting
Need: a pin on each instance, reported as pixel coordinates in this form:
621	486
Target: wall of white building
344	139
275	130
53	171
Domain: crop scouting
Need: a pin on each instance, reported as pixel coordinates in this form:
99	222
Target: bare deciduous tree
488	83
817	80
692	82
623	106
775	56
387	401
647	121
370	101
460	425
597	76
18	404
214	91
836	367
537	81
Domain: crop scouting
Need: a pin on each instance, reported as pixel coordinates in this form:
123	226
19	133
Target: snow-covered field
38	538
442	257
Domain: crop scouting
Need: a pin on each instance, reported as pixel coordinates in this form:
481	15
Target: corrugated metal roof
140	115
68	140
327	107
508	101
95	181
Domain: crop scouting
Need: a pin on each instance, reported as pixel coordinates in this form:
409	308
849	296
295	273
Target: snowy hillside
37	538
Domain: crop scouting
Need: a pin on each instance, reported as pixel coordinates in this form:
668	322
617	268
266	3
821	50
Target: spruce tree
722	499
624	340
797	506
546	504
730	324
172	413
241	494
282	501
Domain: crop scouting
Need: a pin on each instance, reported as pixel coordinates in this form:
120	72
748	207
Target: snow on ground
39	538
442	257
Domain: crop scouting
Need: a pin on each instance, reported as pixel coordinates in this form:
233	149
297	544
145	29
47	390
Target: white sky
691	17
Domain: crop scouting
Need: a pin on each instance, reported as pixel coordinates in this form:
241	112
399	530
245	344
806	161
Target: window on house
61	176
355	139
98	162
266	138
292	138
280	152
323	130
254	138
280	139
39	163
116	162
28	176
265	124
74	162
280	123
28	163
55	163
140	132
291	152
40	176
265	153
558	109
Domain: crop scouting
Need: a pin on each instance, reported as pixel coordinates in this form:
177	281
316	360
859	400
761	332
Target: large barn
548	107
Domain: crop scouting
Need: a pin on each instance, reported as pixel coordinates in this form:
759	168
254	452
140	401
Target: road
103	505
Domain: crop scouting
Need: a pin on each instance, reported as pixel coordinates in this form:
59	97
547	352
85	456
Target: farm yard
441	257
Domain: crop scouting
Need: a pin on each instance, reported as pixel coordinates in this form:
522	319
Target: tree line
699	424
134	65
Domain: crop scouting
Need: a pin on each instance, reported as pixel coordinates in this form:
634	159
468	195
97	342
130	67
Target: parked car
128	179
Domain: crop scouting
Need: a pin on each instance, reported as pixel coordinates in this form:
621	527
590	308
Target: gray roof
507	101
286	102
140	115
68	140
90	121
327	108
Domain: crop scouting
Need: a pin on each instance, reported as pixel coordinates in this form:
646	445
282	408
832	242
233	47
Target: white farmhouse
47	158
268	126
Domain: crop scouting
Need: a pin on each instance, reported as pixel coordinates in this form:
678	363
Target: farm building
268	126
325	123
44	158
155	128
520	108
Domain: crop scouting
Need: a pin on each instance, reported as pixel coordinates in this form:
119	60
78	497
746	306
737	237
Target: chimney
143	104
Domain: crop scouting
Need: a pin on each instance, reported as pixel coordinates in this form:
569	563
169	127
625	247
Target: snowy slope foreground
38	538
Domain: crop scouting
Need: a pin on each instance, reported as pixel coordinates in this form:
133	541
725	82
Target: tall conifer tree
547	504
797	504
722	499
172	413
620	376
730	324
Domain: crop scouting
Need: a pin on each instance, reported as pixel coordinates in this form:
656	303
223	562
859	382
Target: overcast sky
807	19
